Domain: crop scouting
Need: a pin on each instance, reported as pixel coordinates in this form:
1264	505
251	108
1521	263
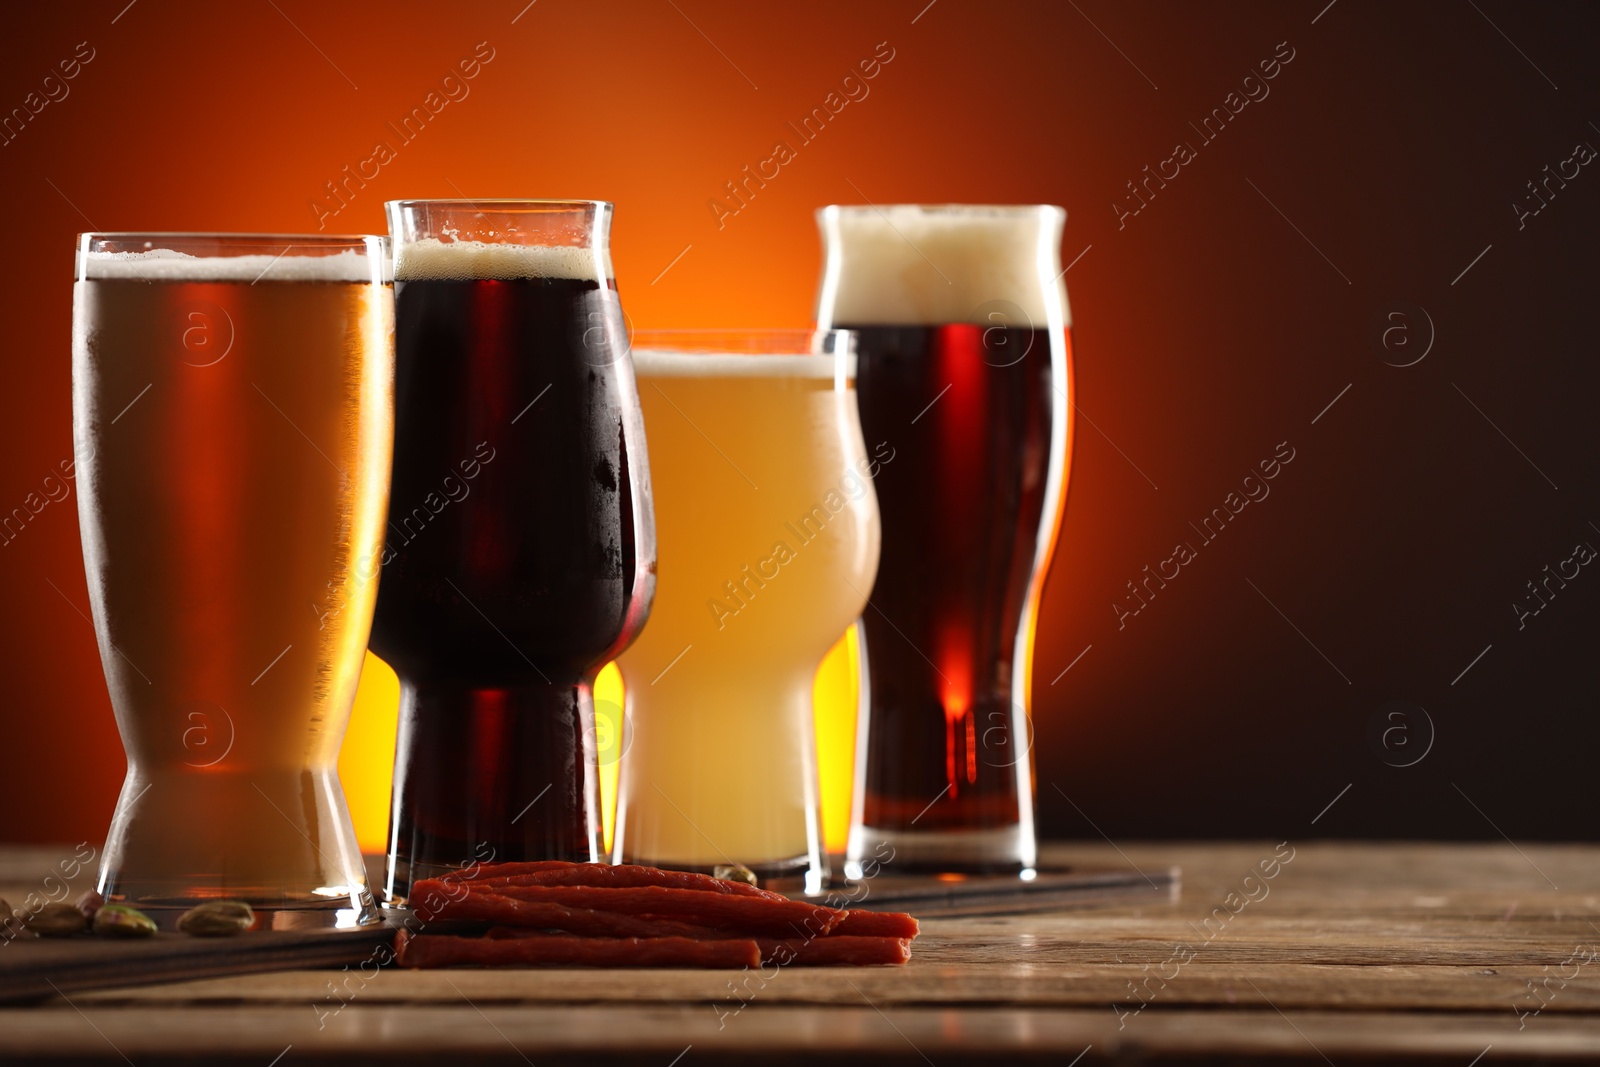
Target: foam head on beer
434	260
166	265
911	264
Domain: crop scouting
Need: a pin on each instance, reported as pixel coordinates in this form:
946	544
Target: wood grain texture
34	968
1388	950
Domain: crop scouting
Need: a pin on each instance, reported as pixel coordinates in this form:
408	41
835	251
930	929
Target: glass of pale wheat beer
231	409
965	371
768	531
520	551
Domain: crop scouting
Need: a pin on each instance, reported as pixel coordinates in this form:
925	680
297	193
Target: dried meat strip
835	951
876	924
485	906
785	952
476	872
741	914
443	950
626	876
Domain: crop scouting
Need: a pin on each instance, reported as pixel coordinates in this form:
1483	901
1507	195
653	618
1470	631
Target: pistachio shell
734	872
217	918
120	920
57	920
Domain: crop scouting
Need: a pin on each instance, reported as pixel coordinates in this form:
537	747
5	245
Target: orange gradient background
1206	331
634	106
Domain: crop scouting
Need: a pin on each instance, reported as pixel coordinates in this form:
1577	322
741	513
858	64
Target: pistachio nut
57	920
217	918
120	920
734	872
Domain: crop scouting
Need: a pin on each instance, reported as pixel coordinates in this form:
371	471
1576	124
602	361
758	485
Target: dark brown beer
513	568
970	422
964	370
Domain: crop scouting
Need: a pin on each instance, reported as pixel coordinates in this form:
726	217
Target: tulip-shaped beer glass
769	542
231	410
521	540
964	370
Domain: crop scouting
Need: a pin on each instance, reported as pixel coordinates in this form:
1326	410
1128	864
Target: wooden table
1349	951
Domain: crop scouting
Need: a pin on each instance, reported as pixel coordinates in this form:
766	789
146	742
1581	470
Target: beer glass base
395	893
491	775
280	841
1000	850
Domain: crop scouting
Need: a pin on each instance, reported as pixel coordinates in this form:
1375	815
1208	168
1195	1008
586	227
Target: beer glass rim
330	240
229	252
746	341
500	203
1001	210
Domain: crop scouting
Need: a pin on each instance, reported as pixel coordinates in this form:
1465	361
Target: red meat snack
443	950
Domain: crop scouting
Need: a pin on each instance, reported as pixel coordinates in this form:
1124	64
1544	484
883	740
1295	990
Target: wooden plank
1353	950
34	968
924	982
772	1035
1258	938
993	894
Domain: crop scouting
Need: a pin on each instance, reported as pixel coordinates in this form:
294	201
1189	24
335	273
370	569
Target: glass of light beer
231	409
768	531
520	551
965	370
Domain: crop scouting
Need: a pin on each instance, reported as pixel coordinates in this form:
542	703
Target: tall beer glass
965	370
231	408
521	543
769	542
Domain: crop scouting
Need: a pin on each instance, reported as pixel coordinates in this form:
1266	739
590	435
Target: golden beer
767	528
232	413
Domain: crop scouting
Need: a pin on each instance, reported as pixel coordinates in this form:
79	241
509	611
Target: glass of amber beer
768	530
965	370
231	409
521	546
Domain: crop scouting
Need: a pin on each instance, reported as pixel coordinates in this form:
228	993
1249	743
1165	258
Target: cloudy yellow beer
234	430
767	531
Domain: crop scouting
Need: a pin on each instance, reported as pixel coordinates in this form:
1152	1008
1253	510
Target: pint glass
231	409
964	370
769	540
520	551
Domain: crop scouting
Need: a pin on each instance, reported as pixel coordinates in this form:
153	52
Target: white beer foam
431	259
167	265
666	363
911	264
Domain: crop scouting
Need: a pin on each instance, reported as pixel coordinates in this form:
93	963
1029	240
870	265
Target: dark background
1221	320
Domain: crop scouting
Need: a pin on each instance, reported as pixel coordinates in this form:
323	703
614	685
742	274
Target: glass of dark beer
520	552
230	402
964	368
